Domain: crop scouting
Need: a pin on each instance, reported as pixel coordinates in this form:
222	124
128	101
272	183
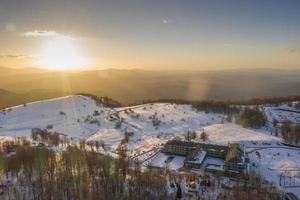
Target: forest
79	172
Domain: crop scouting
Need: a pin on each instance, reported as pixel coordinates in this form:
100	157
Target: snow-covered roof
215	167
199	158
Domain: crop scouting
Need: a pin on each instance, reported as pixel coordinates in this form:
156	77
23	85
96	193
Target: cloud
292	50
38	33
45	33
17	56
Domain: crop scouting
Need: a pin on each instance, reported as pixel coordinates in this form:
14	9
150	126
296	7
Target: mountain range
18	86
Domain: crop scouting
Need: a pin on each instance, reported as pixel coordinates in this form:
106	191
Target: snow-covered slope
148	125
152	124
279	166
67	115
232	133
282	113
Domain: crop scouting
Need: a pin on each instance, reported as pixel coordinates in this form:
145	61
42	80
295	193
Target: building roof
215	167
197	157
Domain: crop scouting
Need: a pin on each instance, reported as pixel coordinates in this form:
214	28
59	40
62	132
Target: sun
61	53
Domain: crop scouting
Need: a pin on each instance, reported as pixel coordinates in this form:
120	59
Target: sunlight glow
61	53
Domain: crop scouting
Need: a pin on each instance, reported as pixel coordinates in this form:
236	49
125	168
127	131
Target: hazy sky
150	34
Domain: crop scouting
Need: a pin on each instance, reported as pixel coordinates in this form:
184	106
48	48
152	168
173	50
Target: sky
150	34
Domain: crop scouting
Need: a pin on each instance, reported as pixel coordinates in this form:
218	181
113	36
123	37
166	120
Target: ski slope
232	133
67	115
281	114
278	166
150	125
75	117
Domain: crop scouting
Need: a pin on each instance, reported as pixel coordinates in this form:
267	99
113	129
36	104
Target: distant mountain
130	86
4	92
8	98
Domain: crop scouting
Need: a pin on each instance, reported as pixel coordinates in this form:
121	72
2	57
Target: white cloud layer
45	33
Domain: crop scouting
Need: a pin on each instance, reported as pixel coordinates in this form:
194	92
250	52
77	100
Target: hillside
8	98
80	117
145	128
149	125
65	114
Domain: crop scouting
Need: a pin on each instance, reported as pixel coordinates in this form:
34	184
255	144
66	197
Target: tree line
290	132
251	117
104	101
77	173
42	173
253	101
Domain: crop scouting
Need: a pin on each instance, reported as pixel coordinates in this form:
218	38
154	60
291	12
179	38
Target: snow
176	163
213	161
215	167
281	114
199	158
159	160
5	138
110	137
74	117
63	113
273	162
232	133
163	160
175	120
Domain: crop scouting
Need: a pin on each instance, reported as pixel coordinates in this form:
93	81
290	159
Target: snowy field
232	133
279	166
282	113
67	115
75	116
150	125
174	121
